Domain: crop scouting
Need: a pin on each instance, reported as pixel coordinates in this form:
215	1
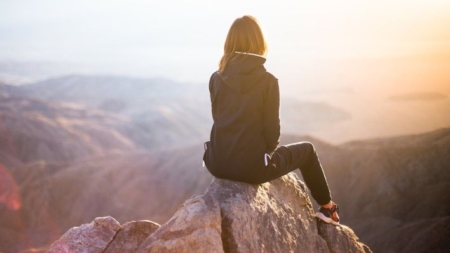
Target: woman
244	138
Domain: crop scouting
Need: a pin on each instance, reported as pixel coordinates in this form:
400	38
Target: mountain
22	72
159	104
162	113
393	191
33	130
94	89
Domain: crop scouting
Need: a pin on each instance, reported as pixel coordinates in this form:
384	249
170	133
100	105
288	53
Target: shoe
326	215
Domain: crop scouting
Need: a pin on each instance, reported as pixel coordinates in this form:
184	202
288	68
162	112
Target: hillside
393	190
33	130
65	162
159	104
133	185
54	154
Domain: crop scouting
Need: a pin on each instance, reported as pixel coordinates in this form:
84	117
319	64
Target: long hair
245	36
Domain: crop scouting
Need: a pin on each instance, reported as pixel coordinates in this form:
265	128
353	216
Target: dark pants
303	156
285	159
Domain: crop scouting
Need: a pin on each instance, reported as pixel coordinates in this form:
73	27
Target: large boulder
341	239
238	217
230	217
130	236
196	227
90	238
104	235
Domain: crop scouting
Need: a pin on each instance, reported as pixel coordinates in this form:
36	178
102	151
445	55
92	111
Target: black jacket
245	108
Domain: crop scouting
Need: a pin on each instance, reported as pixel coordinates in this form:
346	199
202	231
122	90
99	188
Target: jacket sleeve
271	117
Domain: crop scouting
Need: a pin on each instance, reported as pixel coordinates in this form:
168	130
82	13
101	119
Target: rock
131	235
239	217
271	217
195	227
229	217
341	239
89	238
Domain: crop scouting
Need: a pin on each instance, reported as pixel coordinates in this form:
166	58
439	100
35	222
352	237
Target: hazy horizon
354	56
184	40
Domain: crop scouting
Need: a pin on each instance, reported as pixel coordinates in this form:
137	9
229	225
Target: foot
329	213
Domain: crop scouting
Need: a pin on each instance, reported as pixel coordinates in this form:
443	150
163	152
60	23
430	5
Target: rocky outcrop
341	239
104	235
196	227
229	217
93	237
130	236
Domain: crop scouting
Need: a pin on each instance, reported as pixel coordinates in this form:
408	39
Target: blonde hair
245	36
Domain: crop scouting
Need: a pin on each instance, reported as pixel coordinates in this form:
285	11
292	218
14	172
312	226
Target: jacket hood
243	71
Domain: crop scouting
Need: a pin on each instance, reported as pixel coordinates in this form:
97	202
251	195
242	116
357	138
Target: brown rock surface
271	217
229	217
93	237
341	239
130	236
195	227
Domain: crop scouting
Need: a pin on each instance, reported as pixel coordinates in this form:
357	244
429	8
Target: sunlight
9	191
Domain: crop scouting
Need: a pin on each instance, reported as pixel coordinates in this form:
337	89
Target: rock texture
104	235
231	217
341	239
271	217
196	227
93	237
130	236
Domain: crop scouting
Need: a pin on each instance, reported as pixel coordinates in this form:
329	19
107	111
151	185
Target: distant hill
34	130
162	113
159	104
394	191
151	123
20	72
418	96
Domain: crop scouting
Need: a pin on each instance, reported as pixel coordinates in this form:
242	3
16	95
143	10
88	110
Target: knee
302	149
309	146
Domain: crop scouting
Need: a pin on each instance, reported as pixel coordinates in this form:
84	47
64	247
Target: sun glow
9	191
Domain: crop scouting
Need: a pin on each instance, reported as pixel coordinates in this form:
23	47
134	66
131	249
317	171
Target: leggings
303	156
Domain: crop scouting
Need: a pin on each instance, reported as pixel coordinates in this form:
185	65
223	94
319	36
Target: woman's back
245	102
244	138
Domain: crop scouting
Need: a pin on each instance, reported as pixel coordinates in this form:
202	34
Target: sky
183	40
354	55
